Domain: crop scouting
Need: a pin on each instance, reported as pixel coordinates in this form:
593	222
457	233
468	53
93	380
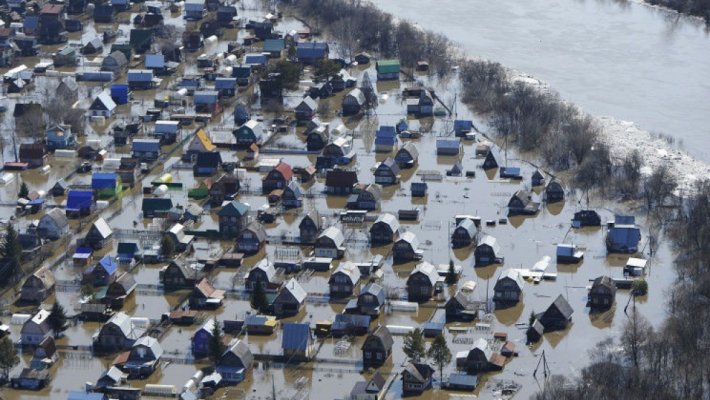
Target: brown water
523	241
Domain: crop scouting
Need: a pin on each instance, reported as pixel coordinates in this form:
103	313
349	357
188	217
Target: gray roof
492	242
241	350
468	225
335	234
428	269
265	266
482	345
258	229
59	217
151	343
410	238
562	305
385	336
389	220
102	227
106	99
514	275
358	95
124	323
308	101
410	148
375	290
349	269
296	290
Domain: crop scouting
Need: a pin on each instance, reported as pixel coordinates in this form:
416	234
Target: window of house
368	354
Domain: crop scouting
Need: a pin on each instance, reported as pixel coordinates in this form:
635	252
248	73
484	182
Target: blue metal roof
77	199
103	180
311	50
77	395
295	336
146	145
225	83
461	125
354	320
31	22
108	264
447	144
255	59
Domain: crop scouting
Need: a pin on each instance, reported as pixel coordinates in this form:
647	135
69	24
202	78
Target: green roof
273	45
388	66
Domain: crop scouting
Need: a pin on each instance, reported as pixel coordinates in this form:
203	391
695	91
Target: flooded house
115	62
223	189
290	299
602	294
353	102
33	154
406	248
384	230
119	291
292	196
385	139
143	358
59	137
407	155
534	332
98	235
586	218
508	289
461	307
166	131
340	182
262	273
260	324
127	252
367	198
249	133
344	280
179	274
298	342
277	178
416	378
487	252
330	243
140	79
338	148
53	225
36	329
103	105
554	192
102	273
205	296
206	101
182	240
235	363
310	53
252	238
32	379
537	179
146	149
106	184
38	286
119	333
419	189
568	254
422	282
233	216
624	236
521	204
310	227
350	325
317	138
448	147
156	207
200	341
45	355
387	70
207	164
370	301
51	24
387	172
481	358
462	127
557	316
377	348
464	234
306	109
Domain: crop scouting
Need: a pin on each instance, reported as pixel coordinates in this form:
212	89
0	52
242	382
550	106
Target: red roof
285	170
52	9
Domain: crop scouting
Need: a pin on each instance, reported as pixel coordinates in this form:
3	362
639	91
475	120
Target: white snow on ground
623	137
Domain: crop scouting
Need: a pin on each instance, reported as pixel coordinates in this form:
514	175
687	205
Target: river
613	58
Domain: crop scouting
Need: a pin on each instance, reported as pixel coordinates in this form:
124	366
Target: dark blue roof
31	22
78	395
84	250
447	144
258	59
146	145
295	336
311	50
103	180
386	131
77	199
463	125
225	83
36	202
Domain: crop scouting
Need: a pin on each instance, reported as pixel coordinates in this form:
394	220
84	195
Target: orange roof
121	358
52	9
285	170
205	140
208	290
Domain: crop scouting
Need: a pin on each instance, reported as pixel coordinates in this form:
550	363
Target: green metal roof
388	66
273	45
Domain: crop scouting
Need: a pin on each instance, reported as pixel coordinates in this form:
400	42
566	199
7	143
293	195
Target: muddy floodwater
338	363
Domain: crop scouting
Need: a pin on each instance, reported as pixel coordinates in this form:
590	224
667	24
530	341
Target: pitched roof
209	291
234	208
389	220
428	270
420	372
258	229
46	276
349	269
296	336
102	228
108	264
335	234
201	142
340	178
241	350
124	323
295	289
265	266
490	241
410	238
385	336
59	217
375	290
514	275
285	170
152	344
562	305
